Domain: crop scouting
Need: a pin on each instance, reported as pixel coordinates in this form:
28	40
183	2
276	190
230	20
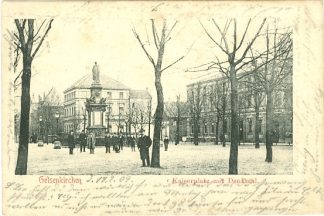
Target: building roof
139	94
105	81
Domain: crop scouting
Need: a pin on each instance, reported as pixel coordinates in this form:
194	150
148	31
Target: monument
96	105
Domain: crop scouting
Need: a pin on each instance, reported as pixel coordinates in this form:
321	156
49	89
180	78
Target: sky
85	32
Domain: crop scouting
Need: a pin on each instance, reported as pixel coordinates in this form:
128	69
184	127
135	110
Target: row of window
69	96
212	128
70	111
72	95
121	95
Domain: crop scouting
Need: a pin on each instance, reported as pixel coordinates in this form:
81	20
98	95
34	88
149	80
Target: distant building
46	115
119	98
282	98
171	117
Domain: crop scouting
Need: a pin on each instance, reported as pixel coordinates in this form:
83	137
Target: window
121	110
249	100
213	128
109	95
260	126
192	128
205	128
121	95
250	125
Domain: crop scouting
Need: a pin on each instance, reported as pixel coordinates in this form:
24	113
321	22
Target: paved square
183	159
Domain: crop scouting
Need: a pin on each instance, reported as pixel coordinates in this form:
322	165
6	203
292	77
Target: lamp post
57	116
108	115
84	117
40	125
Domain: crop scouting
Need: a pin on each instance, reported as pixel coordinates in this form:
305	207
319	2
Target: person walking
166	143
121	142
132	143
71	143
91	142
107	143
115	141
144	143
83	141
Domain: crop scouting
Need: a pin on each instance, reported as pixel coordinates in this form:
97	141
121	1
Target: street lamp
57	116
108	114
40	125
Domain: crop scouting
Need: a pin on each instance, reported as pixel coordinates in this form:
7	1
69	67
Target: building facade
119	100
215	99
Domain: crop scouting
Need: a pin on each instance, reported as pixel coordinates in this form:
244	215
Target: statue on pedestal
95	73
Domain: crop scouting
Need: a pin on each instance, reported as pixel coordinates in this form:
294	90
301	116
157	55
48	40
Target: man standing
82	140
121	142
91	142
107	143
166	143
144	143
132	142
71	143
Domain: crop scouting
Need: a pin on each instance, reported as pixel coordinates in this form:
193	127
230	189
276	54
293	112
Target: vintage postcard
162	107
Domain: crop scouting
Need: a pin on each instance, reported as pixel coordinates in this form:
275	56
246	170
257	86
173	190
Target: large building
208	90
120	100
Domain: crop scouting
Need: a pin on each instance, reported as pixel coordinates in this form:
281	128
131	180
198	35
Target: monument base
98	130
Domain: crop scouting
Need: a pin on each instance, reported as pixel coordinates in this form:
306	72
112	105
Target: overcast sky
83	33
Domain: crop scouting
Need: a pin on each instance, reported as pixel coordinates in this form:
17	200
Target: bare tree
237	59
159	41
178	120
218	98
27	37
196	102
278	66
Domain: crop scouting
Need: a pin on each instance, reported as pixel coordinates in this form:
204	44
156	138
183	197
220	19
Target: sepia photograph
162	107
216	98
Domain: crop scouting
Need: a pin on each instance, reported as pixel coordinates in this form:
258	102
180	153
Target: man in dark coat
115	141
166	143
132	142
82	140
121	142
71	143
143	144
107	143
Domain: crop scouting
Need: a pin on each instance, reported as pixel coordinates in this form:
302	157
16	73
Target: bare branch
213	39
223	35
179	59
155	36
39	28
246	29
142	45
171	29
43	37
21	33
251	43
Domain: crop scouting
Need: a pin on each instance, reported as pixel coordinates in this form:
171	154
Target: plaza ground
183	159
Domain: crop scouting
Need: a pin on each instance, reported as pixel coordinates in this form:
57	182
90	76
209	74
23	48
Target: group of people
84	140
116	142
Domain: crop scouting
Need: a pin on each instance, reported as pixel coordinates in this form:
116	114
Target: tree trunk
178	128
223	115
269	126
196	130
22	159
234	124
256	129
155	161
216	134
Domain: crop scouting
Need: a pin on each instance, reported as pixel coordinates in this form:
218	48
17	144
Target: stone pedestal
96	106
